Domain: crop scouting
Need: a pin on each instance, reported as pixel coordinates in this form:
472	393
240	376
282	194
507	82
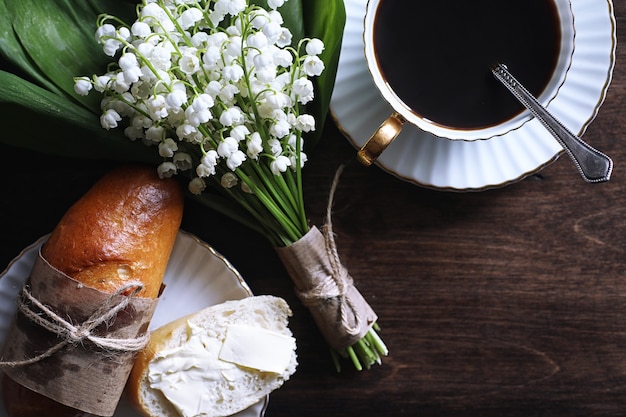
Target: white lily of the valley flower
231	116
120	84
211	56
280	129
314	47
123	33
282	58
207	164
183	161
227	147
140	29
161	57
275	4
235	160
109	119
189	63
197	186
130	67
294	159
200	110
239	132
254	145
177	97
157	107
231	7
280	164
284	39
167	148
199	39
190	17
229	180
155	133
257	40
233	72
185	131
133	133
166	170
313	66
276	148
303	90
82	86
104	32
228	93
273	31
305	123
101	83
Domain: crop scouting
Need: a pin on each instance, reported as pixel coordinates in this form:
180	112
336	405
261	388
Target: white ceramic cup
402	113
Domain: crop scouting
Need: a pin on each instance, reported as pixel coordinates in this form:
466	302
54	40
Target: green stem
299	181
268	180
290	230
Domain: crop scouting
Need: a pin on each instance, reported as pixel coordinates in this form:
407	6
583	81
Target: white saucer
196	277
432	162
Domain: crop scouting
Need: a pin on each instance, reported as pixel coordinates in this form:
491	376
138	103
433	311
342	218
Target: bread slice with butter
215	362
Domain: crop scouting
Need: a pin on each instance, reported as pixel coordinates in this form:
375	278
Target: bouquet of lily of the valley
219	92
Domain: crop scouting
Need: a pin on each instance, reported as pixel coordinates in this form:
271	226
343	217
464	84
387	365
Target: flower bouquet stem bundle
218	90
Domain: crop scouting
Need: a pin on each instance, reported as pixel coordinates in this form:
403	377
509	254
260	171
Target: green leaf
11	50
324	20
42	121
58	35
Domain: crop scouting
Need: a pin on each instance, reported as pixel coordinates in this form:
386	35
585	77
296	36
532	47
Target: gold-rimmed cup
431	62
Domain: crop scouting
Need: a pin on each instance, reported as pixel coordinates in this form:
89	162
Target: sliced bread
215	362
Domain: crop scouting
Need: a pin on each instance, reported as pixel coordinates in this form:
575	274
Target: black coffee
437	55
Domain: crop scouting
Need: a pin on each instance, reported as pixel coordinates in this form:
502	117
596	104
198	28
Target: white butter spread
189	376
257	348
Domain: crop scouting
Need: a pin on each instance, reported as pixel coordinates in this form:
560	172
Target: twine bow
73	335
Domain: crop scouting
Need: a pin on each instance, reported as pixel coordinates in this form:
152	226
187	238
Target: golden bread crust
122	229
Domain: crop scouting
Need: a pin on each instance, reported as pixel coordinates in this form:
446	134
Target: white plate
196	277
426	160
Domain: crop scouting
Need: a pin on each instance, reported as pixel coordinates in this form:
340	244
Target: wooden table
508	302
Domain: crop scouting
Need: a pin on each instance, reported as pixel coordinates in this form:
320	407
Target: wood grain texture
508	302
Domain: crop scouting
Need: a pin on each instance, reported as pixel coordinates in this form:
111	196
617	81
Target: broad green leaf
37	119
324	20
12	52
55	35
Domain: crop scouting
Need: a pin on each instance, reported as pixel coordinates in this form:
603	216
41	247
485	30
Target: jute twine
337	283
324	285
73	335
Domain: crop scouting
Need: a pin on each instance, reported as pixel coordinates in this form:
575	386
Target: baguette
216	388
123	229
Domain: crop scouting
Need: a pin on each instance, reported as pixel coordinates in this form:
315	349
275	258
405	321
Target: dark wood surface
508	302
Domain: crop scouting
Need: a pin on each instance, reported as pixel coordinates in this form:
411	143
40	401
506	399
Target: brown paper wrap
326	288
81	375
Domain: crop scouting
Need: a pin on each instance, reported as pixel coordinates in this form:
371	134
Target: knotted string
75	335
339	282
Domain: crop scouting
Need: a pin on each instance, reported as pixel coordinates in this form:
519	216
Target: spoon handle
593	165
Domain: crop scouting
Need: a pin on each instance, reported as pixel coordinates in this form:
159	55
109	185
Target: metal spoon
593	165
